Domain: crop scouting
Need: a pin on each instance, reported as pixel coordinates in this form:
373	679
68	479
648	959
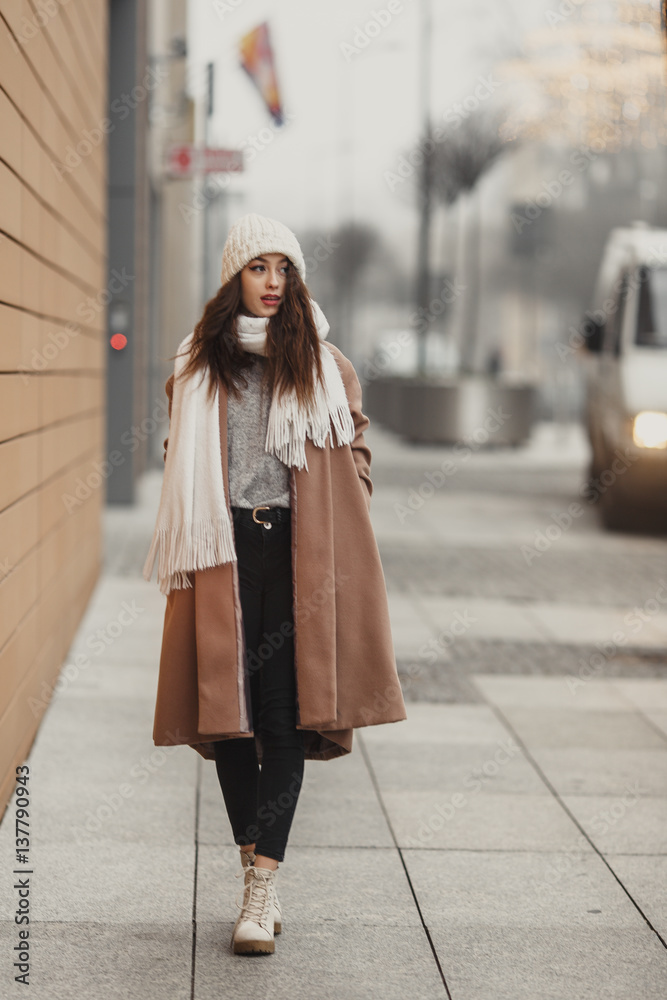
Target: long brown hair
292	343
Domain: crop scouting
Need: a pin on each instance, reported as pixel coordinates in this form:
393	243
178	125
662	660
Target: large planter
486	410
383	398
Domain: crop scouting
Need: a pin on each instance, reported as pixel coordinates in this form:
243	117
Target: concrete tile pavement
513	847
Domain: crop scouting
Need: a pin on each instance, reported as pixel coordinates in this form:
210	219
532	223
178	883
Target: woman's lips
270	300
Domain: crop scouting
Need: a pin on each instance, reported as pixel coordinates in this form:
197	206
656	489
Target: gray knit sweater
255	476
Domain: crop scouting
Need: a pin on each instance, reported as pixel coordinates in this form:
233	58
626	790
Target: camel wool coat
346	675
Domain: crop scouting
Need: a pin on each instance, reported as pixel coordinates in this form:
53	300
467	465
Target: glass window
652	315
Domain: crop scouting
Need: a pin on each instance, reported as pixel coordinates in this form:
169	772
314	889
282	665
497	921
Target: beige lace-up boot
248	858
254	928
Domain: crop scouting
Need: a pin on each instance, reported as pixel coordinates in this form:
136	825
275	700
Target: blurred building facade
53	190
176	212
84	313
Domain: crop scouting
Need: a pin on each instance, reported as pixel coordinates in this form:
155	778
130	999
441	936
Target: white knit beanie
252	235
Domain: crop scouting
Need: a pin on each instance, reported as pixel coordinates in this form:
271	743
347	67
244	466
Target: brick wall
53	83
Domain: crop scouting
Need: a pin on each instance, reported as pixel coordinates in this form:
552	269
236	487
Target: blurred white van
625	335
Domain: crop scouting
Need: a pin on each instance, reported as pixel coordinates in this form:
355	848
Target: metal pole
345	211
208	112
422	290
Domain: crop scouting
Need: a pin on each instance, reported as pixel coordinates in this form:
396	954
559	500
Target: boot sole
254	947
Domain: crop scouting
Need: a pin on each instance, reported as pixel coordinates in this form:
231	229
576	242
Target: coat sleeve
360	450
169	389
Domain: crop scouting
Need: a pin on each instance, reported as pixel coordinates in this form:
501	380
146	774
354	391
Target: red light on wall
118	341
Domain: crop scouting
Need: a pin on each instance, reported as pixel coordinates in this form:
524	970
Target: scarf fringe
189	546
289	424
287	440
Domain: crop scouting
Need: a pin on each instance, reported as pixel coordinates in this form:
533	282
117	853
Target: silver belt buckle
267	524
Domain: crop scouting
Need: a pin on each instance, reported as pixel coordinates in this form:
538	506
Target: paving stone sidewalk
506	842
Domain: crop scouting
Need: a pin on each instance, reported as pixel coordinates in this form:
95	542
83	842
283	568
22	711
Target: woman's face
263	284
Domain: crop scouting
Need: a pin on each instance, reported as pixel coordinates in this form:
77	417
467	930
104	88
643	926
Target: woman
276	641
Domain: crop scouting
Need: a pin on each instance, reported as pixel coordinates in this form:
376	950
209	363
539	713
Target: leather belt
262	515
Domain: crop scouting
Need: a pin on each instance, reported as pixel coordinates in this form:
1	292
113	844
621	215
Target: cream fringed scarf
193	529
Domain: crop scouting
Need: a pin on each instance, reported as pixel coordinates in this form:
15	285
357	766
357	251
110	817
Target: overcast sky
352	114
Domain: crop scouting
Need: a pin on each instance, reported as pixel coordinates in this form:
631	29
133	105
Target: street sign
186	160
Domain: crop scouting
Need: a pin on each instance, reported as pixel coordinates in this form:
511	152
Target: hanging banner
258	62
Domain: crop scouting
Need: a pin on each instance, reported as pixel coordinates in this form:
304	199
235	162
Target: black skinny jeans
261	802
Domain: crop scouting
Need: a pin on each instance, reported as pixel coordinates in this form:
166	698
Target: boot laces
256	896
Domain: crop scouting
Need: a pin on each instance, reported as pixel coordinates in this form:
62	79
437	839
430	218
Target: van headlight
649	429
